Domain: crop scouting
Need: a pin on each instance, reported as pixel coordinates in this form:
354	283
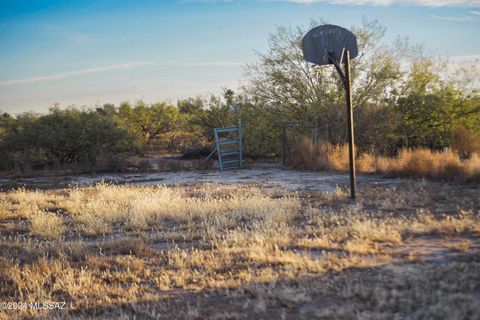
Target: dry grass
46	225
188	252
422	163
100	209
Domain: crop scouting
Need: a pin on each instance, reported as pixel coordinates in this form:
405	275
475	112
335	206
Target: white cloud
188	63
453	18
468	59
69	74
428	3
127	65
476	13
465	68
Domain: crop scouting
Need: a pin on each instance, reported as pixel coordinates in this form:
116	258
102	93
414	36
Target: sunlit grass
423	163
109	244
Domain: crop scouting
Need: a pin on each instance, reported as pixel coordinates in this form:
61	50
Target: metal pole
351	139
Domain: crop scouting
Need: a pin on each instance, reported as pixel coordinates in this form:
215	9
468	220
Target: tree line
402	98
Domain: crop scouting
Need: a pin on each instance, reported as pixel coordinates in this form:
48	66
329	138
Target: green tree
6	121
303	93
217	114
148	122
191	128
431	107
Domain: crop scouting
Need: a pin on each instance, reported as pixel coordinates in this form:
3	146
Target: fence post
219	151
315	135
284	143
240	142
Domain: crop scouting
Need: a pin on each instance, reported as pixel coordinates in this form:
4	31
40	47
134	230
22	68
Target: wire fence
293	134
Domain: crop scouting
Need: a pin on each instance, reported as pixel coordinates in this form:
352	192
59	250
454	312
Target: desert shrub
62	136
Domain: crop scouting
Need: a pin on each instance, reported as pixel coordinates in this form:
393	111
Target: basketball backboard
326	42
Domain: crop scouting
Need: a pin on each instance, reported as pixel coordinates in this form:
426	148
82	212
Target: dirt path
265	175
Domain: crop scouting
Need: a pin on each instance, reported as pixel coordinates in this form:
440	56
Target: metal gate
229	147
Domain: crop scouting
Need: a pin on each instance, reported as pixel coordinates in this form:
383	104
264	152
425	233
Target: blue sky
92	52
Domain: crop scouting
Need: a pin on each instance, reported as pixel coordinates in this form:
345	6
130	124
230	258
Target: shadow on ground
417	290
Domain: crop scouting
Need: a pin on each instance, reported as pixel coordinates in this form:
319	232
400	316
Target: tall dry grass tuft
446	166
472	168
465	141
421	162
322	156
46	225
